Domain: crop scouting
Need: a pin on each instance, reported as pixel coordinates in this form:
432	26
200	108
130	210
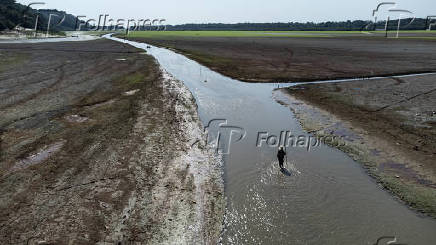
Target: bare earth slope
98	145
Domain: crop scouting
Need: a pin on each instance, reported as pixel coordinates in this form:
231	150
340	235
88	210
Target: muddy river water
326	199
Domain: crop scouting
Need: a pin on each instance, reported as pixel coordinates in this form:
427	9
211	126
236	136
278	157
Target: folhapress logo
388	11
221	135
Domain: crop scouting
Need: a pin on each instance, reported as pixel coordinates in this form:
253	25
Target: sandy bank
388	125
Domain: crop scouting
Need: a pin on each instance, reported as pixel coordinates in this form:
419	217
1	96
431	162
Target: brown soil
93	149
391	124
283	59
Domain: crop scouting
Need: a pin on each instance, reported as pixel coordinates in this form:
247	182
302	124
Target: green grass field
168	34
224	33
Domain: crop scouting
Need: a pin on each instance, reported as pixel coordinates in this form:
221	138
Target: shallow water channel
327	199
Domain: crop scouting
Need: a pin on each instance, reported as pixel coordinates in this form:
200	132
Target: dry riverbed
98	145
388	125
284	59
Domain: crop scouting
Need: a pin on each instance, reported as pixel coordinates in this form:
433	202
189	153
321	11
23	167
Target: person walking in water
281	156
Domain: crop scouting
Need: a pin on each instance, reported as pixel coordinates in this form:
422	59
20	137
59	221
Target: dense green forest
13	14
357	25
68	23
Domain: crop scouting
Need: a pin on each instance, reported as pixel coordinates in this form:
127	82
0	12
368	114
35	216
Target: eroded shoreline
101	146
338	190
385	125
400	160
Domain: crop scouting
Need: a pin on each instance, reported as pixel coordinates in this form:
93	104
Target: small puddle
132	92
38	157
323	198
76	119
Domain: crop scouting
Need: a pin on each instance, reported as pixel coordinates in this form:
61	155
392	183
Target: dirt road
100	146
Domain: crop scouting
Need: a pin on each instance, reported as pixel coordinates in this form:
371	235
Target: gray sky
233	11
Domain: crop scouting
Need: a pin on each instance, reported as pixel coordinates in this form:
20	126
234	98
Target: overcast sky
233	11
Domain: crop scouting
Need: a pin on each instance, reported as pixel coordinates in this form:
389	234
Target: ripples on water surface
327	199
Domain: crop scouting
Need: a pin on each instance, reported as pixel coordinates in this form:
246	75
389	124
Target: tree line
356	25
13	14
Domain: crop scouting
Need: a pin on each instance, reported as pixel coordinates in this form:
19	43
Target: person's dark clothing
281	163
281	156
